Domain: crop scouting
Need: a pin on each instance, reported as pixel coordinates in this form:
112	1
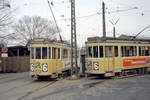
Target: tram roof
117	40
48	41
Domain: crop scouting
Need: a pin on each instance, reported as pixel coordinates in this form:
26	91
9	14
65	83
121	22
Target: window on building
95	51
38	53
44	52
101	53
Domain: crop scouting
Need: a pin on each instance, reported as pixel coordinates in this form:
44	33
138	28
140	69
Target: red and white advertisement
136	62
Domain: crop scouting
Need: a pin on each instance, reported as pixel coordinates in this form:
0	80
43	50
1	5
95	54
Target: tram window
38	53
49	52
95	51
89	51
108	51
64	53
101	51
32	53
58	53
144	51
116	51
44	52
141	51
128	51
53	53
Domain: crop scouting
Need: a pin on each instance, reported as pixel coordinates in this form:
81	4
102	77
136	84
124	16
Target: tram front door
109	60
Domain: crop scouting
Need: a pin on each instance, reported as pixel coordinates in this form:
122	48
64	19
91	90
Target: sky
88	16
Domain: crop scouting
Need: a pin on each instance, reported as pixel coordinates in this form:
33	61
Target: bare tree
28	28
5	15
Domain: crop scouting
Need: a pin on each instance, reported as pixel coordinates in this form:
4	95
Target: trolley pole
74	66
114	28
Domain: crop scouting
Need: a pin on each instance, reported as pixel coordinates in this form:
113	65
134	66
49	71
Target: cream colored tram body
49	58
110	56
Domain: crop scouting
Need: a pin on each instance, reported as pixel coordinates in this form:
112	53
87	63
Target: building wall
15	64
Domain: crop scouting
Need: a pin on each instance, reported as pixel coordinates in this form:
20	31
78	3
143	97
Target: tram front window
58	53
32	53
54	53
101	51
95	51
49	52
44	53
89	51
108	51
38	53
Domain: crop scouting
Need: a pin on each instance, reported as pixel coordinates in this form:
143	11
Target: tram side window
101	53
44	52
95	51
116	51
144	51
64	53
32	53
38	53
89	51
128	51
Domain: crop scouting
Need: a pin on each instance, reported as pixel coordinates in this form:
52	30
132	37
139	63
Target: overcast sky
89	23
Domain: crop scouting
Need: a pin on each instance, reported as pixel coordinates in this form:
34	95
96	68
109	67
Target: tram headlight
32	67
44	67
96	65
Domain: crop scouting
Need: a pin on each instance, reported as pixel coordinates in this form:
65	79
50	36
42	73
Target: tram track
35	90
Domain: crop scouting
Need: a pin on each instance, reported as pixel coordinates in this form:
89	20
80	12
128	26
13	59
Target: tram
49	58
117	56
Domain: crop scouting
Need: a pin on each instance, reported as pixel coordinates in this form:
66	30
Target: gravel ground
20	86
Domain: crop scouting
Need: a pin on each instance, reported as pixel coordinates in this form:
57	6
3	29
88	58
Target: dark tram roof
129	40
48	41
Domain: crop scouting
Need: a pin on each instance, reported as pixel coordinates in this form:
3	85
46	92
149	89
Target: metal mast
103	17
73	39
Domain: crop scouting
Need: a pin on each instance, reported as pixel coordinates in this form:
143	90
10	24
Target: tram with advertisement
49	58
117	56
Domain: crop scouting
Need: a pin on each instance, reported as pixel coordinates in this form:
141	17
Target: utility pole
73	41
114	28
103	18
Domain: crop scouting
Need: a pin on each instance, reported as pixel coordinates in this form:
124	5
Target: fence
15	64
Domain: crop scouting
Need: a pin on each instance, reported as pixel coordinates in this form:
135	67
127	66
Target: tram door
56	59
109	58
